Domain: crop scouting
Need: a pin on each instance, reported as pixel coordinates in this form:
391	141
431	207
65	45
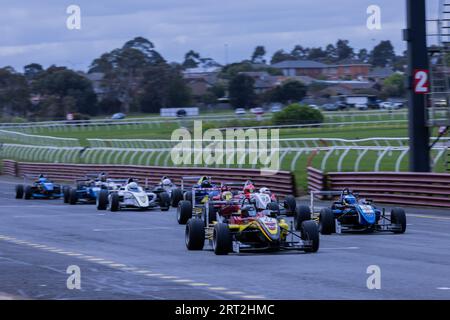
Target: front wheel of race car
66	194
327	224
310	232
184	211
102	200
222	242
398	216
19	191
290	204
28	193
177	196
195	234
114	205
188	196
73	196
302	213
164	201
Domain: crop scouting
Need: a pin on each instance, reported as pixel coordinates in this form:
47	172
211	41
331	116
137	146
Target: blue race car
42	188
195	197
351	214
86	190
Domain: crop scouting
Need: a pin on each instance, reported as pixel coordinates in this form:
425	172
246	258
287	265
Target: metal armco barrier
404	188
282	183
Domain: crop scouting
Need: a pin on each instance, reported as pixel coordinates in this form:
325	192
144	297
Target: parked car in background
361	106
330	107
257	110
118	116
240	111
314	106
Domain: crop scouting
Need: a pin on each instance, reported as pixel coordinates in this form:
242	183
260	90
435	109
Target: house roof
299	64
380	73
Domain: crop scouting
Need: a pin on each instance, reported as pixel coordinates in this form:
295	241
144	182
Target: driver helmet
265	190
206	184
102	177
133	186
349	199
227	195
42	178
166	182
249	188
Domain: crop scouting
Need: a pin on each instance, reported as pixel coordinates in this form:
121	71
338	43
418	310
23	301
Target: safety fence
31	139
282	182
333	158
403	188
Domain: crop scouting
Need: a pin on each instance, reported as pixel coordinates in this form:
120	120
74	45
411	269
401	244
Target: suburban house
380	74
350	69
263	80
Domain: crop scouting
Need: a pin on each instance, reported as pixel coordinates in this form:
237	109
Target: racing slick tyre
66	194
73	196
188	196
195	234
222	243
28	193
274	207
114	205
19	191
327	225
184	211
290	204
102	200
177	196
398	216
164	201
310	231
302	213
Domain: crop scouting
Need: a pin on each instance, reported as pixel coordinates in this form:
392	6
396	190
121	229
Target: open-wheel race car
128	194
195	197
40	188
350	213
175	192
239	227
86	190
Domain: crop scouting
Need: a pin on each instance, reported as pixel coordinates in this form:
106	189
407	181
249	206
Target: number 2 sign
421	81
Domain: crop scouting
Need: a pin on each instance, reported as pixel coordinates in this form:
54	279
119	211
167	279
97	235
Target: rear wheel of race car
164	201
290	204
177	196
222	243
28	193
274	207
66	194
188	196
102	200
310	231
114	205
302	213
19	191
327	224
398	216
195	234
73	196
184	211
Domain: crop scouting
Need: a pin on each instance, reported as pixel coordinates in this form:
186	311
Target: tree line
136	78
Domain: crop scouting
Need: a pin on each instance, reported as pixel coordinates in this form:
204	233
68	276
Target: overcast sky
35	31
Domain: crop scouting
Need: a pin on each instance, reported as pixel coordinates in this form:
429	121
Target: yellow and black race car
240	227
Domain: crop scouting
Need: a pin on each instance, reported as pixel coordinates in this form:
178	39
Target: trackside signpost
418	86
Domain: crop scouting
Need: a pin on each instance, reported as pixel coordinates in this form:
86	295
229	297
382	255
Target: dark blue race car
195	196
41	188
86	190
351	214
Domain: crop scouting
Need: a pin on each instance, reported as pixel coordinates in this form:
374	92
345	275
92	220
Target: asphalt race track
142	255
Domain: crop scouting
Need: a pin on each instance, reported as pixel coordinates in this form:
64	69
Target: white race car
132	196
